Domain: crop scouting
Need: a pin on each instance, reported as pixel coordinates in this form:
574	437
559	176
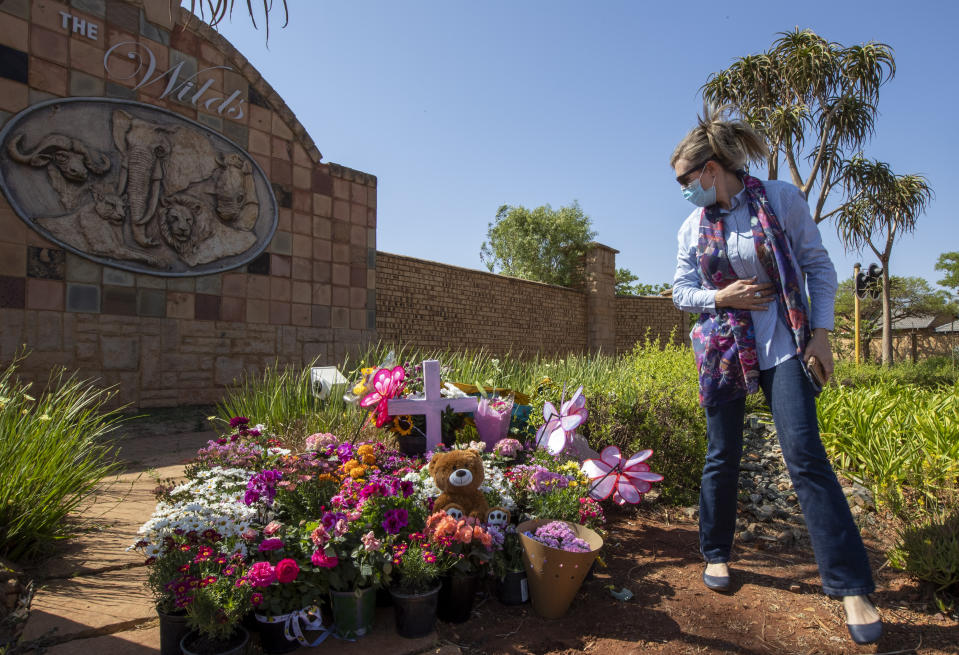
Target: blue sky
459	107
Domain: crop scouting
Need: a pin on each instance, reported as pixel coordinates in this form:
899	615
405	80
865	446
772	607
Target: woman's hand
818	347
746	294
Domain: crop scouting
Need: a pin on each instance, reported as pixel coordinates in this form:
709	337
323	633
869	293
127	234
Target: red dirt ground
776	606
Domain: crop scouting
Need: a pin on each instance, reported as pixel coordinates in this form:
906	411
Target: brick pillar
600	278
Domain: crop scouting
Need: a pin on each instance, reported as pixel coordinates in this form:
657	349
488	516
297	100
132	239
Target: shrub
930	551
52	457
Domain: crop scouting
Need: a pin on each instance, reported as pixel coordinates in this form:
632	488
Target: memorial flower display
259	528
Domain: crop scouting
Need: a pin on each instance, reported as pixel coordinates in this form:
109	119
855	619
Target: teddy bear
459	474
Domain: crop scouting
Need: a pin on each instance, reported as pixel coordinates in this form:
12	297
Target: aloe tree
220	9
813	99
880	207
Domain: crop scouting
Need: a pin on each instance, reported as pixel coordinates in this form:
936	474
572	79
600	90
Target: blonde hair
731	142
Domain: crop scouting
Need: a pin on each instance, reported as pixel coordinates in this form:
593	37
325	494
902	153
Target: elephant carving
157	159
235	192
68	161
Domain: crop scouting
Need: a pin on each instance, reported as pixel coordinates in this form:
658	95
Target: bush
929	373
51	455
930	551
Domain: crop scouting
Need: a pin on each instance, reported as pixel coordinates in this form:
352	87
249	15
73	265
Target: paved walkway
93	597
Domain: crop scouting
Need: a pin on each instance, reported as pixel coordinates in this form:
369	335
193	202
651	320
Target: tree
220	9
881	206
813	99
627	284
539	244
908	297
948	262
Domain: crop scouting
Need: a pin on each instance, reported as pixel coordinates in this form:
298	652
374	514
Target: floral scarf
725	343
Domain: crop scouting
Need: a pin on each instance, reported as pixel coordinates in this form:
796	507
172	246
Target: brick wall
179	340
433	305
637	316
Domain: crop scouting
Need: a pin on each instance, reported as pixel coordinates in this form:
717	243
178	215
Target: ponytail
731	142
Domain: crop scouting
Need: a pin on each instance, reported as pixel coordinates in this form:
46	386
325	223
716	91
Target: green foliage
928	373
280	397
901	450
948	263
812	99
539	244
52	454
908	296
930	550
628	284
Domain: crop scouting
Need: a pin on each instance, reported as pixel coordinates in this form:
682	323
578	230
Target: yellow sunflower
403	425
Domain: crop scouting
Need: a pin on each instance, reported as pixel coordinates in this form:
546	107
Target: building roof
948	328
923	322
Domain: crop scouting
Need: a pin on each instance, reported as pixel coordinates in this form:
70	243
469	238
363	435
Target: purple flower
237	421
407	489
262	485
559	535
271	544
330	518
344	451
395	520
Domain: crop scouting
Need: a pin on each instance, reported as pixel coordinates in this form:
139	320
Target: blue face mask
696	194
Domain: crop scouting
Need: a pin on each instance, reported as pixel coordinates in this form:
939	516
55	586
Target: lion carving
188	225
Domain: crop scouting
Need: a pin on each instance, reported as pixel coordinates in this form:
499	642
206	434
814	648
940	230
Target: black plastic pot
172	629
512	589
273	640
456	598
193	643
415	613
412	445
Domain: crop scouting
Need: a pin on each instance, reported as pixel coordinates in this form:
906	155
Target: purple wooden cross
433	405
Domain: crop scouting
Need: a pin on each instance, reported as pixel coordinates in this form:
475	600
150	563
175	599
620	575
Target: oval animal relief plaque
135	186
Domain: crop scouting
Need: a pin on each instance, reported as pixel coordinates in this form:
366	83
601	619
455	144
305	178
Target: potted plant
180	525
557	556
286	596
415	592
507	565
469	547
213	589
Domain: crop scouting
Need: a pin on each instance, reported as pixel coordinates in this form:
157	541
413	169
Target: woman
743	255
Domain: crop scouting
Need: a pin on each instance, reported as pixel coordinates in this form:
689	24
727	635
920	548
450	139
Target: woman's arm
812	258
688	292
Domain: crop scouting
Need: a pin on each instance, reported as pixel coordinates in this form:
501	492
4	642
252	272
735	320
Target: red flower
287	570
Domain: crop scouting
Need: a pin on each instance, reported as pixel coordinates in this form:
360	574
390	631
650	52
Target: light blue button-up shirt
774	344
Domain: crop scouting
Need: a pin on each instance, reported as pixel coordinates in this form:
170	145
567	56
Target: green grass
52	456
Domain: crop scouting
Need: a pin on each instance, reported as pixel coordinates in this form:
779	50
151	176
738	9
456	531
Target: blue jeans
840	554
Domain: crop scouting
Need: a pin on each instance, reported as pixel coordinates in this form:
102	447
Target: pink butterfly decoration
557	433
386	384
626	481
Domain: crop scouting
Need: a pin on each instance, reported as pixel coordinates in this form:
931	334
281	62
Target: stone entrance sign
135	186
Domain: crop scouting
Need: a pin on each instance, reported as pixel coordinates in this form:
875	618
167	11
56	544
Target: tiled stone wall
179	340
655	316
436	306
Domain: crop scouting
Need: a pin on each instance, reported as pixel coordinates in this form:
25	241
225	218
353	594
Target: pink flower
625	480
319	558
271	544
287	570
261	574
256	598
340	528
320	441
272	528
319	536
370	542
249	534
